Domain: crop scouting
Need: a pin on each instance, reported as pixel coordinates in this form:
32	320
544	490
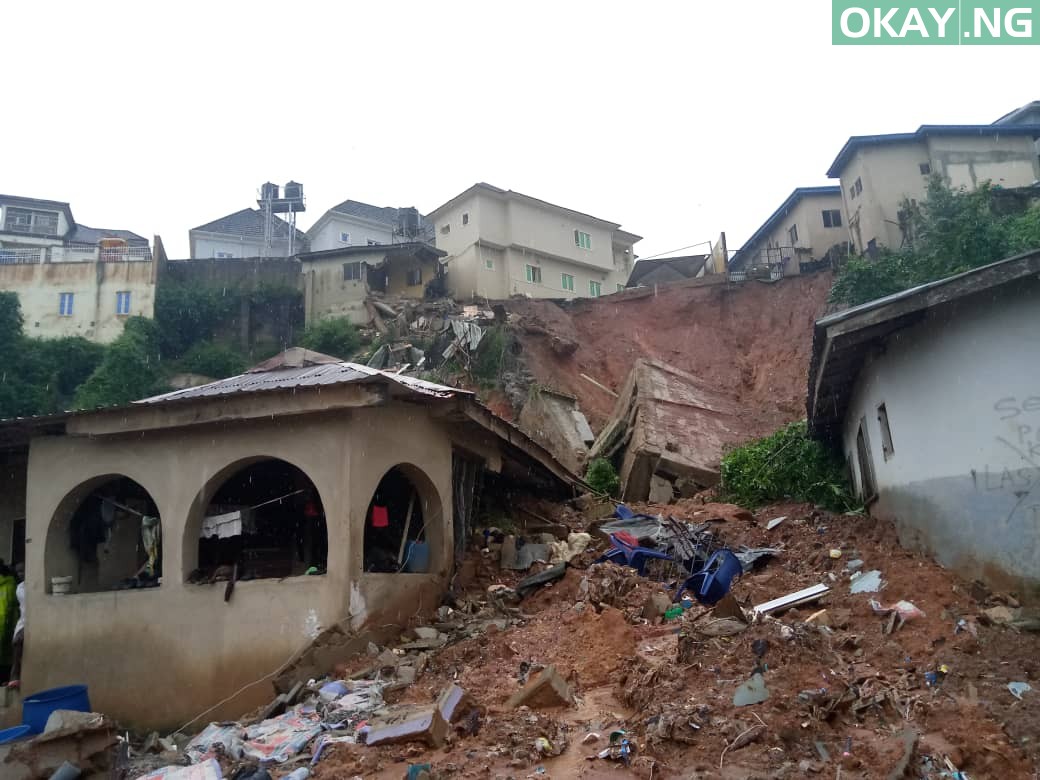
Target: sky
678	120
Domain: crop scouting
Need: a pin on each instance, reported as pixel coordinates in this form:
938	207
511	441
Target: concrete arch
211	490
428	517
92	570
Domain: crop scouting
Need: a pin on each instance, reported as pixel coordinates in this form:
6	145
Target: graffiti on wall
1019	439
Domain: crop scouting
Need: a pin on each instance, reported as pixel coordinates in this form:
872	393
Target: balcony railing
74	254
29	256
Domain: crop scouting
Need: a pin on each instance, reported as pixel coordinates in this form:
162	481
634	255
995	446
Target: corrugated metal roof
304	376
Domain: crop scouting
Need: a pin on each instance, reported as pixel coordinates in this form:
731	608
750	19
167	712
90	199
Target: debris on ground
566	667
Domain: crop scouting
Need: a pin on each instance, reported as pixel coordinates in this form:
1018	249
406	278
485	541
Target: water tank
268	191
293	190
408	218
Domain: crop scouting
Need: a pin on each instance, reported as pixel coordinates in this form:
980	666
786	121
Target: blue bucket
417	558
39	706
14	734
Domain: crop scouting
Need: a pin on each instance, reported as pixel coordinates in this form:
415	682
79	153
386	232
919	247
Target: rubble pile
825	649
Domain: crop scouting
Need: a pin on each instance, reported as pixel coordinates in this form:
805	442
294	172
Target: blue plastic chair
713	581
625	554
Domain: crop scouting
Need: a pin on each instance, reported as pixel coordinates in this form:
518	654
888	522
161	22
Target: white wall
361	231
962	393
207	246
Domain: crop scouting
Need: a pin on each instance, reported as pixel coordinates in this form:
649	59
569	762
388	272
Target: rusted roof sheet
304	376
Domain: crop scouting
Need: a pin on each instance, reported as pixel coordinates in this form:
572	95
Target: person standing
19	629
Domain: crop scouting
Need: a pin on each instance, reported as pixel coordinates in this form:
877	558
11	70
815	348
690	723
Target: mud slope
752	339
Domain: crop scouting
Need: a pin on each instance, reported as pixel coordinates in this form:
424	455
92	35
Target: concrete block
548	689
454	702
411	725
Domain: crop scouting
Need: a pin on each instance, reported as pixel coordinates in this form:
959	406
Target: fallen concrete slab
669	430
425	724
548	689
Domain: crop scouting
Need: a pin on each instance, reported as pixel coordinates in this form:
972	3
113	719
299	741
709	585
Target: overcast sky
678	120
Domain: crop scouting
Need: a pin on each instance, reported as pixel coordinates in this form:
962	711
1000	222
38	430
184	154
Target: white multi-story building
503	243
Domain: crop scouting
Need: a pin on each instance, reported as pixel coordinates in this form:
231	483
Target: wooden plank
803	596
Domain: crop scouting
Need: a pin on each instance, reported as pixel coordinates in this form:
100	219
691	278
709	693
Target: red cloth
626	537
380	518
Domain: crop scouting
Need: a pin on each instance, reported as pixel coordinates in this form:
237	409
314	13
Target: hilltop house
71	279
501	243
242	235
353	223
879	174
807	229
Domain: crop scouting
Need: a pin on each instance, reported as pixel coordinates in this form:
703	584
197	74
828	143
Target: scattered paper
866	582
1018	688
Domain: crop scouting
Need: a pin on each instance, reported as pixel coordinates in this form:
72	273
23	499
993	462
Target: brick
548	689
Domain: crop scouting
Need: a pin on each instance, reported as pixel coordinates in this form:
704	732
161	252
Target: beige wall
154	658
94	286
813	237
328	295
891	174
512	232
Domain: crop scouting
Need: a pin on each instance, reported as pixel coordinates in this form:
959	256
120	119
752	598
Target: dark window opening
858	185
792	233
886	433
396	538
872	249
265	521
112	541
868	488
414	277
831	218
926	168
465	218
352	272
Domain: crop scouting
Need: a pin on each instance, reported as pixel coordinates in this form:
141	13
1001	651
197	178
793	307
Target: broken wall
555	422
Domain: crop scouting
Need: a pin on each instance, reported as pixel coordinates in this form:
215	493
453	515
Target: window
792	233
567	281
926	168
465	218
372	243
352	272
222	255
445	229
414	277
582	240
868	489
122	303
44	223
489	263
534	274
858	185
65	304
872	248
344	237
852	192
832	218
620	287
886	433
594	289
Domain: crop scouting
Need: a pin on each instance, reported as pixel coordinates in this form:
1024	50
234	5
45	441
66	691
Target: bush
129	371
489	360
190	313
787	464
213	360
603	478
335	337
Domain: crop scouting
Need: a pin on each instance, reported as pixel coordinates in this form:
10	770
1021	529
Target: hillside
752	340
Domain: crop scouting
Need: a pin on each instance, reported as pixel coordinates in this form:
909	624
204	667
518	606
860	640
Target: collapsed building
209	534
667	433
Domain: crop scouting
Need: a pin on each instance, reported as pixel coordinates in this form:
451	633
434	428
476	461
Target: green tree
190	313
335	337
130	370
213	360
950	232
788	464
603	478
